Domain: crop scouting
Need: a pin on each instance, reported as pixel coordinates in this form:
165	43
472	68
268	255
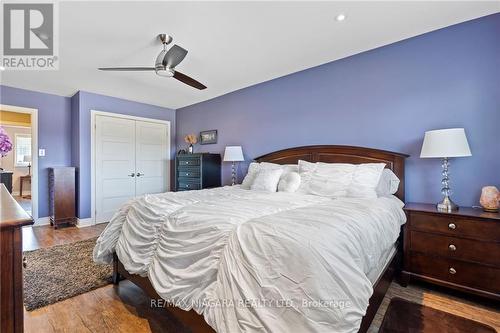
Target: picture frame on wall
208	137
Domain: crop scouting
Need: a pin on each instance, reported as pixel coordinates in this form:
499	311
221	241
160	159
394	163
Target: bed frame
193	322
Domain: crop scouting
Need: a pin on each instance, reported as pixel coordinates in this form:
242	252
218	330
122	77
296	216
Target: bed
236	255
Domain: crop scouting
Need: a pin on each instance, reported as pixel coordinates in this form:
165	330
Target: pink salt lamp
490	197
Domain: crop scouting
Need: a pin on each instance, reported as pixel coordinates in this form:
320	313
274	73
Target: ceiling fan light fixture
165	64
165	72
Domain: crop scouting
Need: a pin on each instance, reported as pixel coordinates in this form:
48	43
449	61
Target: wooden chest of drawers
62	196
460	250
197	171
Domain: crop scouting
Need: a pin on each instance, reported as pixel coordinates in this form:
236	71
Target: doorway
19	126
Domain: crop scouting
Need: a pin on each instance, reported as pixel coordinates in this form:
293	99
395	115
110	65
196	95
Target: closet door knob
139	174
132	175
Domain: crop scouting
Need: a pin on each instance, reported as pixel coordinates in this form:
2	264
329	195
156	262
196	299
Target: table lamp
233	154
445	143
27	159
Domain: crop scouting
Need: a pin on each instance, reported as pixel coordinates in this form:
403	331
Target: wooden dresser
62	193
12	218
460	250
197	171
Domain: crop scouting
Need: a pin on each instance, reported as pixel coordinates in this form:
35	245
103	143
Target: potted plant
5	143
191	139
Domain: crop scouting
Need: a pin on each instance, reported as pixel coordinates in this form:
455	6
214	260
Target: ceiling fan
165	64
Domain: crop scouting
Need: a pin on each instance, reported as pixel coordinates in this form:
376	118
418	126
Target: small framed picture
208	137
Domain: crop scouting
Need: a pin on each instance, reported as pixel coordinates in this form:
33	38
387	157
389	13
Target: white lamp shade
450	142
233	154
27	158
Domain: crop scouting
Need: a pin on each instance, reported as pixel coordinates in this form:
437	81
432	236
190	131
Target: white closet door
151	157
114	165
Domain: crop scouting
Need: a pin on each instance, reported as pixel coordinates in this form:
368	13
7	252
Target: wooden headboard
342	154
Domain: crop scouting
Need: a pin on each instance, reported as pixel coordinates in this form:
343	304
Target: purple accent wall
54	132
384	98
85	102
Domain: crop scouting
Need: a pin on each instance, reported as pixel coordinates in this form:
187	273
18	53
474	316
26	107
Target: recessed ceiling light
340	17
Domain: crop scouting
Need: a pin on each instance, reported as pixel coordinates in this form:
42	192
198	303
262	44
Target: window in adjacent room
23	149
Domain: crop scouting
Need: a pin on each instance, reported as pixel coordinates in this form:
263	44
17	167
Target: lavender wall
54	132
384	98
86	102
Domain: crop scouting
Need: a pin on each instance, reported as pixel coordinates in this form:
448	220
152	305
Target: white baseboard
82	223
42	221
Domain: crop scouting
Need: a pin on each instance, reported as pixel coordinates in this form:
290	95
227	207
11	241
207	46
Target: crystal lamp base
446	205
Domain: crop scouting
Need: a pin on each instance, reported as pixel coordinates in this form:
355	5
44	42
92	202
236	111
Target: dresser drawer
188	172
455	226
184	185
188	162
455	248
458	272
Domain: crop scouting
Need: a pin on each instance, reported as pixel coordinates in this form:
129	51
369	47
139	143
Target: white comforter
256	262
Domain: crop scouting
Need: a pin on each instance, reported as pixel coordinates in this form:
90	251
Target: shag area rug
60	272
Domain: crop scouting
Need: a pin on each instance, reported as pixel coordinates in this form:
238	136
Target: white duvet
252	261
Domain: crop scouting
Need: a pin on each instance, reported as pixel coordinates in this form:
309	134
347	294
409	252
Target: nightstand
459	250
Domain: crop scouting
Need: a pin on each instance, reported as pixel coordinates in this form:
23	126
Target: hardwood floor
125	308
45	236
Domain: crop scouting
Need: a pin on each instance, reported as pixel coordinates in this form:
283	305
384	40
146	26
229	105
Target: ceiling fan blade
189	81
133	69
174	56
160	58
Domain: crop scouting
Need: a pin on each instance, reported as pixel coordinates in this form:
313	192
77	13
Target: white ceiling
231	45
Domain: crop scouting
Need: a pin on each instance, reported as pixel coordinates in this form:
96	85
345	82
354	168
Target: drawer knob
452	271
452	247
452	226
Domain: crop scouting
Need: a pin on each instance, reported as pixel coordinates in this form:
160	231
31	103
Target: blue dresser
197	171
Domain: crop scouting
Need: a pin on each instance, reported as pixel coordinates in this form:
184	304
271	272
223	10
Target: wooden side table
459	250
21	182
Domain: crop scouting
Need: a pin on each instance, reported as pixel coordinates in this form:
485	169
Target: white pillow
325	179
254	167
365	180
289	182
388	184
340	179
267	180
